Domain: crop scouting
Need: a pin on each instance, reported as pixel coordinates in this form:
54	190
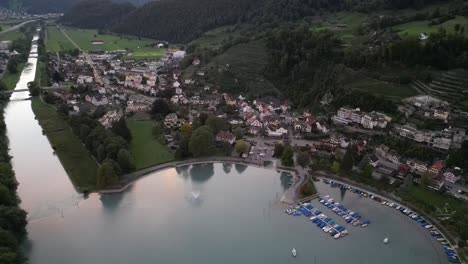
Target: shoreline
385	196
132	178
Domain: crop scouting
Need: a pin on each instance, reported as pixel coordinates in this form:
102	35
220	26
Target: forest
161	19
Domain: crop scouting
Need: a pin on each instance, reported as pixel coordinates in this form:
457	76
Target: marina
327	224
350	217
451	254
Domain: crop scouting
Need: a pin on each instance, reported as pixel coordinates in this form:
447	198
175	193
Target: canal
235	219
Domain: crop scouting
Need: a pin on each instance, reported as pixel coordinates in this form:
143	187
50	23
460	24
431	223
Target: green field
76	160
11	79
389	90
41	74
13	35
414	29
56	41
145	150
147	55
83	38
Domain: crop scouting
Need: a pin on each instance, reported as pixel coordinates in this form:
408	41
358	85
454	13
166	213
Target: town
119	87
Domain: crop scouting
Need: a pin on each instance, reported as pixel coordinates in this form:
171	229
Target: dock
350	217
322	221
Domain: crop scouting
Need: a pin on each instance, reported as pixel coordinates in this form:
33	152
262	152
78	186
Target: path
14	28
68	37
133	177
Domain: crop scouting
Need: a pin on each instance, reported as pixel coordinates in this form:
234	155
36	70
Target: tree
303	159
201	143
183	151
34	88
239	133
3	86
120	128
12	65
216	124
124	160
186	130
107	174
279	149
242	147
347	164
160	108
367	172
335	168
287	159
100	153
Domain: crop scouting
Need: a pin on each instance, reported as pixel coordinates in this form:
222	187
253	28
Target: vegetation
287	158
242	147
303	159
76	160
145	149
308	188
201	143
12	217
99	14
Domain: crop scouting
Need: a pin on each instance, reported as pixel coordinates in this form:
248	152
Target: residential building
225	137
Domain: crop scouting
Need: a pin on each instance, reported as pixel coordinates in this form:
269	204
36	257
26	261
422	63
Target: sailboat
385	240
294	252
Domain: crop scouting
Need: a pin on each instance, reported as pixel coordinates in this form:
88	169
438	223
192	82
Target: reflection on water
285	179
202	172
227	168
240	168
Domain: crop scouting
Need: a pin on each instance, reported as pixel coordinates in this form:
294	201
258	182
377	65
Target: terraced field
451	86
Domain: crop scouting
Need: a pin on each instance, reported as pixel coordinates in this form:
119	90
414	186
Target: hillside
99	14
52	6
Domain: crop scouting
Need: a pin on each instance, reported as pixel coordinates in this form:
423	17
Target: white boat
294	252
385	240
336	236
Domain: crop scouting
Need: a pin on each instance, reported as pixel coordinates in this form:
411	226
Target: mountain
100	14
53	6
185	20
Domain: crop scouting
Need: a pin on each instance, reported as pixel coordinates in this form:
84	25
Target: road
14	28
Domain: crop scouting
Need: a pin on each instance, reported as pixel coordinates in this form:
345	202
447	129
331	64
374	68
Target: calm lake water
236	219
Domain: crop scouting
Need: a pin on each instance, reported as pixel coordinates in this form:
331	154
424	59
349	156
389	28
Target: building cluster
372	120
449	138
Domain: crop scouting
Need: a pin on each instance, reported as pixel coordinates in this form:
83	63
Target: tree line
12	217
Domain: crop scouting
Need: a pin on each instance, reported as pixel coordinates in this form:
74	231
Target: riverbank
75	158
11	79
12	217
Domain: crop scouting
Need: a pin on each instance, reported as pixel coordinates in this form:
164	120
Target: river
236	219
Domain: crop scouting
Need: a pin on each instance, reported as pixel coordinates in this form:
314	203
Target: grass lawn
83	38
56	41
414	29
147	55
5	26
377	87
13	35
11	79
75	158
145	150
41	74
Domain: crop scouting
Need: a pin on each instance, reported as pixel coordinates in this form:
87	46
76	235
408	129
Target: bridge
45	88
